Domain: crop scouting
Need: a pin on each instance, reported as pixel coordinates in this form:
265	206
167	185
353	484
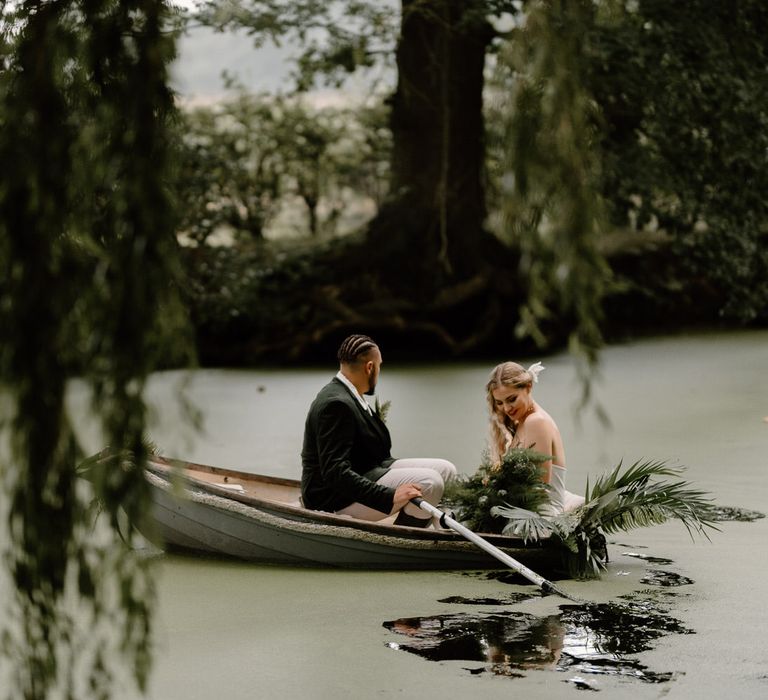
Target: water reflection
506	640
590	639
734	514
511	598
657	577
650	559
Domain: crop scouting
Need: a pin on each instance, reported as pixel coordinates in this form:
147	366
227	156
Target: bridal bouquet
516	482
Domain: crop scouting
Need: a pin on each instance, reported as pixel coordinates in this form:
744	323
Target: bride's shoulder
540	416
541	420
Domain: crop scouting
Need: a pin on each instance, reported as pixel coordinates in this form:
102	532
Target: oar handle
429	508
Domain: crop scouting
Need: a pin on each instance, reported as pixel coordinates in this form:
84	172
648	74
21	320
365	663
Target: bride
516	420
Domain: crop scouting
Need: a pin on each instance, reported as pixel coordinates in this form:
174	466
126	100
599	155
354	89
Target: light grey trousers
431	474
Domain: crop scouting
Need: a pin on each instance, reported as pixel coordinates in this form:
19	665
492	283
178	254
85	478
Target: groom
347	467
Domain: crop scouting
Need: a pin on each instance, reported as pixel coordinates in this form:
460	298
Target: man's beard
371	385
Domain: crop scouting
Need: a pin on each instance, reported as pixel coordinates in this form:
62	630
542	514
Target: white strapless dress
561	501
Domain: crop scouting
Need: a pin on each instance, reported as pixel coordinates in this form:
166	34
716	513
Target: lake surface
237	631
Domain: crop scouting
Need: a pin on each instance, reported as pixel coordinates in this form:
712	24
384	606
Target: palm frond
531	526
640	472
534	527
623	499
630	500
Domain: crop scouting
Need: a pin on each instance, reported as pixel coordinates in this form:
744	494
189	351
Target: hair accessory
535	369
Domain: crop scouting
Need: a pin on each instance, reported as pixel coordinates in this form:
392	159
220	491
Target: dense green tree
683	89
606	123
309	137
231	168
365	166
88	265
246	158
660	103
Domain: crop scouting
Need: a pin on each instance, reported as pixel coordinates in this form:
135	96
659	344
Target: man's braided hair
353	347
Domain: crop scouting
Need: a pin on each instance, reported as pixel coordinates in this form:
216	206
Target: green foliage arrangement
516	482
623	499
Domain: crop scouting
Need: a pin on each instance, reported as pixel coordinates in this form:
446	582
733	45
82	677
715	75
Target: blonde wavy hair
501	428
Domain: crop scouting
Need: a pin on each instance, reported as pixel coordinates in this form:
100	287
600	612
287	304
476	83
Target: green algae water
671	617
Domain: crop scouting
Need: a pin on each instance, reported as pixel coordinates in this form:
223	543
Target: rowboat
223	512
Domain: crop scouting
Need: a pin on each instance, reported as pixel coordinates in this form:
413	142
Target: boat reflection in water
590	639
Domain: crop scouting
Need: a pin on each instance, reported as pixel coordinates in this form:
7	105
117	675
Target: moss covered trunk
438	140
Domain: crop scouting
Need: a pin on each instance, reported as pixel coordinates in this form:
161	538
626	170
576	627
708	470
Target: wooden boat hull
219	512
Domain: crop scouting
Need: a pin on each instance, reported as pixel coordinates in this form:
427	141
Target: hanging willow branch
551	197
87	283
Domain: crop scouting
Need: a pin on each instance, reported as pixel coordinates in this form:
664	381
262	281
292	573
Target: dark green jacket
345	450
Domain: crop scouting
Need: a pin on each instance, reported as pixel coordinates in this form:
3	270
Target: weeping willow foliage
621	500
551	173
88	286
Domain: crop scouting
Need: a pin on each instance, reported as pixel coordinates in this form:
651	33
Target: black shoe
411	520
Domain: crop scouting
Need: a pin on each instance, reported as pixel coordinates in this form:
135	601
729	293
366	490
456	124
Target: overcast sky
205	54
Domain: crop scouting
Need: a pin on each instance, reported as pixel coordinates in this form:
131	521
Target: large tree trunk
437	124
423	278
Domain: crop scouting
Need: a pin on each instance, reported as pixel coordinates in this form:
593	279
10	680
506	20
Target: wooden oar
532	576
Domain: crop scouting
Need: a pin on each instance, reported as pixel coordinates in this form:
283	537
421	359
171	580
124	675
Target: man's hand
403	494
